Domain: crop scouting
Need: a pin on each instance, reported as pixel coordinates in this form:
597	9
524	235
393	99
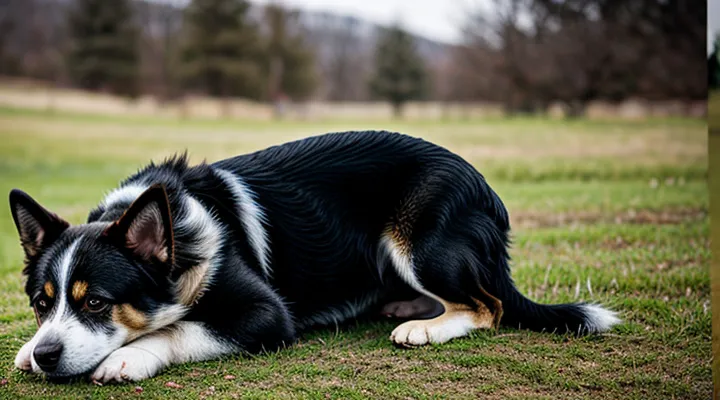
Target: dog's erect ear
37	226
146	228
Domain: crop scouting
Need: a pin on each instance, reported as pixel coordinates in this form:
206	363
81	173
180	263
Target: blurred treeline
527	53
524	54
713	65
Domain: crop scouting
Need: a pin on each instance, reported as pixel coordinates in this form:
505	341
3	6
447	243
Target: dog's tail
521	312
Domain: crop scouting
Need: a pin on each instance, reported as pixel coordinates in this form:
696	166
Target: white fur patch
83	347
252	216
54	324
167	315
191	341
599	319
24	356
145	357
197	222
63	274
438	330
207	236
124	194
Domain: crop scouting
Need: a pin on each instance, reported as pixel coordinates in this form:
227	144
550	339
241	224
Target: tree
713	65
578	51
161	26
290	62
346	65
399	74
649	48
103	55
9	62
493	62
221	52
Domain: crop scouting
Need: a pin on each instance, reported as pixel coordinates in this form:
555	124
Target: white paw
127	364
411	333
23	360
436	330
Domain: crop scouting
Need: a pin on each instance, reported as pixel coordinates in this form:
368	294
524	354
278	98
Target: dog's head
96	286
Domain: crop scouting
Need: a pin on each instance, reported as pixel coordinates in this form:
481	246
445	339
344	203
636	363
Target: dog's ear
37	226
146	228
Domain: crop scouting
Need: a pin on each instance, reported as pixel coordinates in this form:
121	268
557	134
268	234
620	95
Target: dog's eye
94	304
41	306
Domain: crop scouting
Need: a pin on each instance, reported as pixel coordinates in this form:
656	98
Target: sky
434	19
713	22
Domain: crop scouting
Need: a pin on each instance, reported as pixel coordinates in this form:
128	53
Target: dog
185	263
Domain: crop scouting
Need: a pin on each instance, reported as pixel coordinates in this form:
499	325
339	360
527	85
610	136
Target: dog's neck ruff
198	240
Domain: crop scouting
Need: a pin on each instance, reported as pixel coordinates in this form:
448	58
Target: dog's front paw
127	364
411	334
436	330
23	359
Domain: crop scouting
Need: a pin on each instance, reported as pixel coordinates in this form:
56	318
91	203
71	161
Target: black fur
327	201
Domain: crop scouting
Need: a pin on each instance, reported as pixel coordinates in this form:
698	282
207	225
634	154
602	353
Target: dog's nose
47	355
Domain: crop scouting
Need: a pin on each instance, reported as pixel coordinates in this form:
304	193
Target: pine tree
290	61
713	67
103	54
221	51
399	70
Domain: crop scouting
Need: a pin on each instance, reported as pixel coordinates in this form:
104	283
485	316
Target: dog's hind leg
443	269
457	320
421	307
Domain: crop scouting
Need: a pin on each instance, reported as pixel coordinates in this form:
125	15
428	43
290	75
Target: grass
615	212
714	186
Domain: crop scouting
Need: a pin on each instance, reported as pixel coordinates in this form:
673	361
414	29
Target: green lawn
614	212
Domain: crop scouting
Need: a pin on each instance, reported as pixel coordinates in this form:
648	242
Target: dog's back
328	200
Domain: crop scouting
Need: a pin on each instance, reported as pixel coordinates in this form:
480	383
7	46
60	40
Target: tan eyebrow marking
49	289
79	289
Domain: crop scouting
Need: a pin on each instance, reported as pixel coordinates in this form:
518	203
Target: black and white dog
186	263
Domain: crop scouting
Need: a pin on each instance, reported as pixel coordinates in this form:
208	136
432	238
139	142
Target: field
614	212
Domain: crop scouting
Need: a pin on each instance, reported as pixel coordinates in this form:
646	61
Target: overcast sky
713	22
435	19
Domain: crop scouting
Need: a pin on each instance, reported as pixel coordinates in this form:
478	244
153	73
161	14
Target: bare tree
577	51
32	38
9	60
343	59
161	27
